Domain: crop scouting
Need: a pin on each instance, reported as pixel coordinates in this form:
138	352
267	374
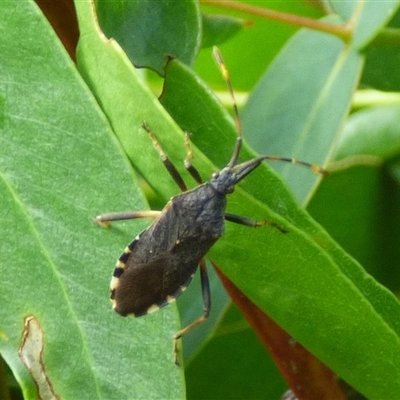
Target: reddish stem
308	377
343	31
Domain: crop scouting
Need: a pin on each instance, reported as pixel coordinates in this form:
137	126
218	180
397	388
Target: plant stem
342	31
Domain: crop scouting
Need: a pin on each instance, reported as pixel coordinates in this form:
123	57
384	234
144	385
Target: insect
158	265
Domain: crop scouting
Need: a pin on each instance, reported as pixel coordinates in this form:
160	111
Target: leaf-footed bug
158	265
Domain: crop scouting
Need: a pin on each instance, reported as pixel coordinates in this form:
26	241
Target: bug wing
146	287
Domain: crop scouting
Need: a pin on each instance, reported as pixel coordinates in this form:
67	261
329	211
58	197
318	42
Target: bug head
224	181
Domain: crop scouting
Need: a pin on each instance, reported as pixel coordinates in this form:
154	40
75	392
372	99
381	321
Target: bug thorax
224	181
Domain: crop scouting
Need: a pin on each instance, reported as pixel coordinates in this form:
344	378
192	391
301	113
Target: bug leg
104	219
188	160
165	160
205	290
238	219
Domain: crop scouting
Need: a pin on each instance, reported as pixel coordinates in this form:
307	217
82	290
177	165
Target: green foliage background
71	148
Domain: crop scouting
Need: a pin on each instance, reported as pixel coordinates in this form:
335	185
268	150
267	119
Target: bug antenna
244	169
225	75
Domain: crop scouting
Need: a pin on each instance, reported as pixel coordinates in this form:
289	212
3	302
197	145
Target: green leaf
300	117
381	68
373	131
358	204
150	31
382	58
54	181
236	352
218	29
369	17
60	167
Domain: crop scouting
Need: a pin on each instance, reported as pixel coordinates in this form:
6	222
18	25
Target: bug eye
215	175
